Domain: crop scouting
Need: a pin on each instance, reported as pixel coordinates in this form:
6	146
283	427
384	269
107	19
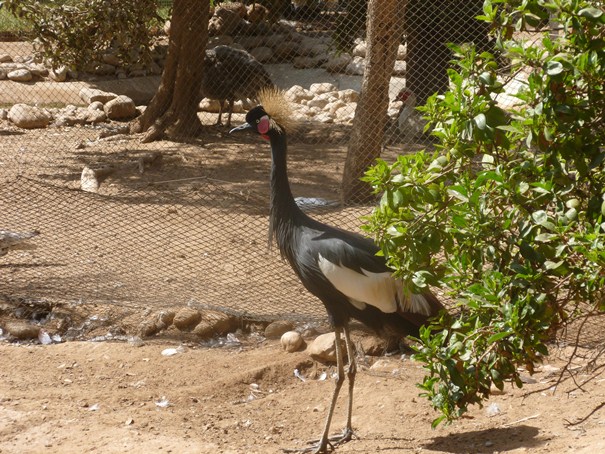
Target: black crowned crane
231	74
339	267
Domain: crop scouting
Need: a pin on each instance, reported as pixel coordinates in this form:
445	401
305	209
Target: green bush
76	33
507	216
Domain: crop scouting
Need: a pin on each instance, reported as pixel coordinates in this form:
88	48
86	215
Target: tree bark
173	109
384	32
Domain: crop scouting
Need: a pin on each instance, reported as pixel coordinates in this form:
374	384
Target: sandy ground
107	397
148	241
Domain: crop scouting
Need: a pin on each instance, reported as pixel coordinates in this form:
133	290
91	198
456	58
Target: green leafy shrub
76	33
507	216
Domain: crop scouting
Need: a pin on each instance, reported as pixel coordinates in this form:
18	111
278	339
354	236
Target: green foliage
76	33
507	216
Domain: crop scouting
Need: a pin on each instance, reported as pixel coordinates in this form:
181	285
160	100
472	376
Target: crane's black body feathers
338	267
230	74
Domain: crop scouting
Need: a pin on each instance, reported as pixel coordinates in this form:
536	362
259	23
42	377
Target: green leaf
498	336
554	68
590	13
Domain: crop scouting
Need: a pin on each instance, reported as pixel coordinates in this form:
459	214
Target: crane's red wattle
263	125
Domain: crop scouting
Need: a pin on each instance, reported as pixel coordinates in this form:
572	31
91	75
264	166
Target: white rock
333	106
319	102
291	341
29	117
59	74
356	66
121	108
360	50
320	88
348	95
401	52
323	348
88	180
95	105
209	105
400	67
90	95
20	75
296	94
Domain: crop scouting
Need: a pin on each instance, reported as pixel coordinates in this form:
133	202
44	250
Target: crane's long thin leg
219	122
231	101
351	372
324	441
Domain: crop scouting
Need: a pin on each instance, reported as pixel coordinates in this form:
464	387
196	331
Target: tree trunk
173	109
384	31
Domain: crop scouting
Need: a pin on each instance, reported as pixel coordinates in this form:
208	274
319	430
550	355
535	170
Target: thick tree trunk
173	109
384	31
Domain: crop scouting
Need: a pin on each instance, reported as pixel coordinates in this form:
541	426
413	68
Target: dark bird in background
11	241
230	74
339	267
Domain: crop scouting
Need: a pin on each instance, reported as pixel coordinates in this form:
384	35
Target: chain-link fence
165	223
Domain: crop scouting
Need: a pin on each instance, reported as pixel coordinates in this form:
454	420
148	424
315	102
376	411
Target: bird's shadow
499	439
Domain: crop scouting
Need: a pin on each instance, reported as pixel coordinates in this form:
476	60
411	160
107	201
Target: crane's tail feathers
425	303
278	107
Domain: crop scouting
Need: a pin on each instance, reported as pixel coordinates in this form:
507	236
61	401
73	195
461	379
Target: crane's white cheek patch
376	289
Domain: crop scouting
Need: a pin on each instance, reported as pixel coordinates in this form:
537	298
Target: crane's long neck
285	213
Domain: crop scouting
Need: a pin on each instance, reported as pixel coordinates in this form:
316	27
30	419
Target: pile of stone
102	106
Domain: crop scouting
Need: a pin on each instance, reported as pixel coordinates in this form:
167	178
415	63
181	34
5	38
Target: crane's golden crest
278	107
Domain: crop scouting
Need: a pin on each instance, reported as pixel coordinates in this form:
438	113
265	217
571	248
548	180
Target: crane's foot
316	447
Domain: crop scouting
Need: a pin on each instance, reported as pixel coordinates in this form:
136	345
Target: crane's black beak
242	127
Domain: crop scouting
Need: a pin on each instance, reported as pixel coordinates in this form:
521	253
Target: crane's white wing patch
376	289
380	290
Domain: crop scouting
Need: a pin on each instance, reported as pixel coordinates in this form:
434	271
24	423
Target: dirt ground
114	397
125	245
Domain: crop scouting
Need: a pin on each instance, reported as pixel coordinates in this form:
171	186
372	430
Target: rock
348	95
320	102
334	106
321	88
256	13
5	58
38	70
22	330
166	318
95	116
121	108
223	40
90	95
224	22
360	50
296	94
167	28
209	105
307	46
111	59
376	346
337	63
59	74
88	180
20	75
356	66
2	74
3	114
95	105
324	117
148	328
323	348
276	329
215	323
401	52
187	318
29	117
262	54
291	341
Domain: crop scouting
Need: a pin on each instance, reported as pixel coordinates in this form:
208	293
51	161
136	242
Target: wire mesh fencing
169	223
